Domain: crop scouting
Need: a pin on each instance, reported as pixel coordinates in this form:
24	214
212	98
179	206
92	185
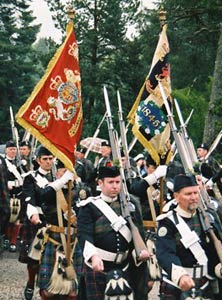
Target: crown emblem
40	117
55	82
73	50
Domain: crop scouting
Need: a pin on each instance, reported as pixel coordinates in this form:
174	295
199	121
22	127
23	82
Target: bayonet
214	145
123	137
188	141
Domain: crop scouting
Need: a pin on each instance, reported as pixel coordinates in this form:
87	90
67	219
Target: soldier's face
11	152
201	153
110	187
105	151
45	162
188	198
24	150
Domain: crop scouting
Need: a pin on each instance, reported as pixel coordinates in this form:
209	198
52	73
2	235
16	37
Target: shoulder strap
189	239
118	223
12	168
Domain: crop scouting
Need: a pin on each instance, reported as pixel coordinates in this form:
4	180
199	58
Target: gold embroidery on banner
72	131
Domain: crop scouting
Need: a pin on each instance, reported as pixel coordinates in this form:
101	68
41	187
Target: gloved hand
78	180
159	172
68	175
209	183
218	270
59	183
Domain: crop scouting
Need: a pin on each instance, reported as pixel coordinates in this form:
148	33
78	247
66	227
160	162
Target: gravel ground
13	279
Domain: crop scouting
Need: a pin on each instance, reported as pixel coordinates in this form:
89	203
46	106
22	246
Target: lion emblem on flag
64	107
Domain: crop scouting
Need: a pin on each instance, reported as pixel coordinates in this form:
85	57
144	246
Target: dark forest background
109	56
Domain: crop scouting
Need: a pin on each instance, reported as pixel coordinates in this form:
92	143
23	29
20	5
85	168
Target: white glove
204	179
159	172
10	185
209	183
78	180
59	183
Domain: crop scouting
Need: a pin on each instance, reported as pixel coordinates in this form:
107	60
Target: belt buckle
197	271
119	258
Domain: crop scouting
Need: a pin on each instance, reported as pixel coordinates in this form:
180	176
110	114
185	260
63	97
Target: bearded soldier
185	252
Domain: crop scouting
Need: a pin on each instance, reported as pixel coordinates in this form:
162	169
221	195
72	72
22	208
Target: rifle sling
151	205
113	218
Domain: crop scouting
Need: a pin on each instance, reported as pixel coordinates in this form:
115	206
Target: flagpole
69	270
162	18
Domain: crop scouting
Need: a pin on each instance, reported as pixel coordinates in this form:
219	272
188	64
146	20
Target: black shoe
12	248
28	293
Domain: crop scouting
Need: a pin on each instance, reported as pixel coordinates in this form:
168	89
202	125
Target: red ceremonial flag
53	113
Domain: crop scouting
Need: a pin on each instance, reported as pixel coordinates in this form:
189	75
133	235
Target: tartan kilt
95	283
48	260
28	232
169	292
46	265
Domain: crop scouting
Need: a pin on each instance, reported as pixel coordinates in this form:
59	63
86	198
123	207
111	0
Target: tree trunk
213	121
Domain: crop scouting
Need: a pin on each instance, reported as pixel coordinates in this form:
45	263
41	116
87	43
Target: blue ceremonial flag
148	114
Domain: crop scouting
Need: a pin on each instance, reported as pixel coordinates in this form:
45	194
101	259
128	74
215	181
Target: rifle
139	244
188	141
15	138
173	146
123	138
132	143
183	150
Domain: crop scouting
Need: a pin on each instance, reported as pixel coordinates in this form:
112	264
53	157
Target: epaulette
88	200
165	215
28	173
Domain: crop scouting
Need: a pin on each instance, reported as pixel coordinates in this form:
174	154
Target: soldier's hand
35	219
218	270
97	263
144	255
186	283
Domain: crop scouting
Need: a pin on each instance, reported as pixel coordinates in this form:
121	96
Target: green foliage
189	100
108	57
18	59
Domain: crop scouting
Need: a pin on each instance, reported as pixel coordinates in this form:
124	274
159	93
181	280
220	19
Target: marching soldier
106	152
106	242
90	170
14	183
140	186
184	251
46	206
209	168
140	164
25	149
4	202
33	189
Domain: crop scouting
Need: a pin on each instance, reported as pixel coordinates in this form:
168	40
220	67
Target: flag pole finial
162	16
70	12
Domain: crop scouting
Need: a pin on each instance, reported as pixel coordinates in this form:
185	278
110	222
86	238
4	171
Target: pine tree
17	63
